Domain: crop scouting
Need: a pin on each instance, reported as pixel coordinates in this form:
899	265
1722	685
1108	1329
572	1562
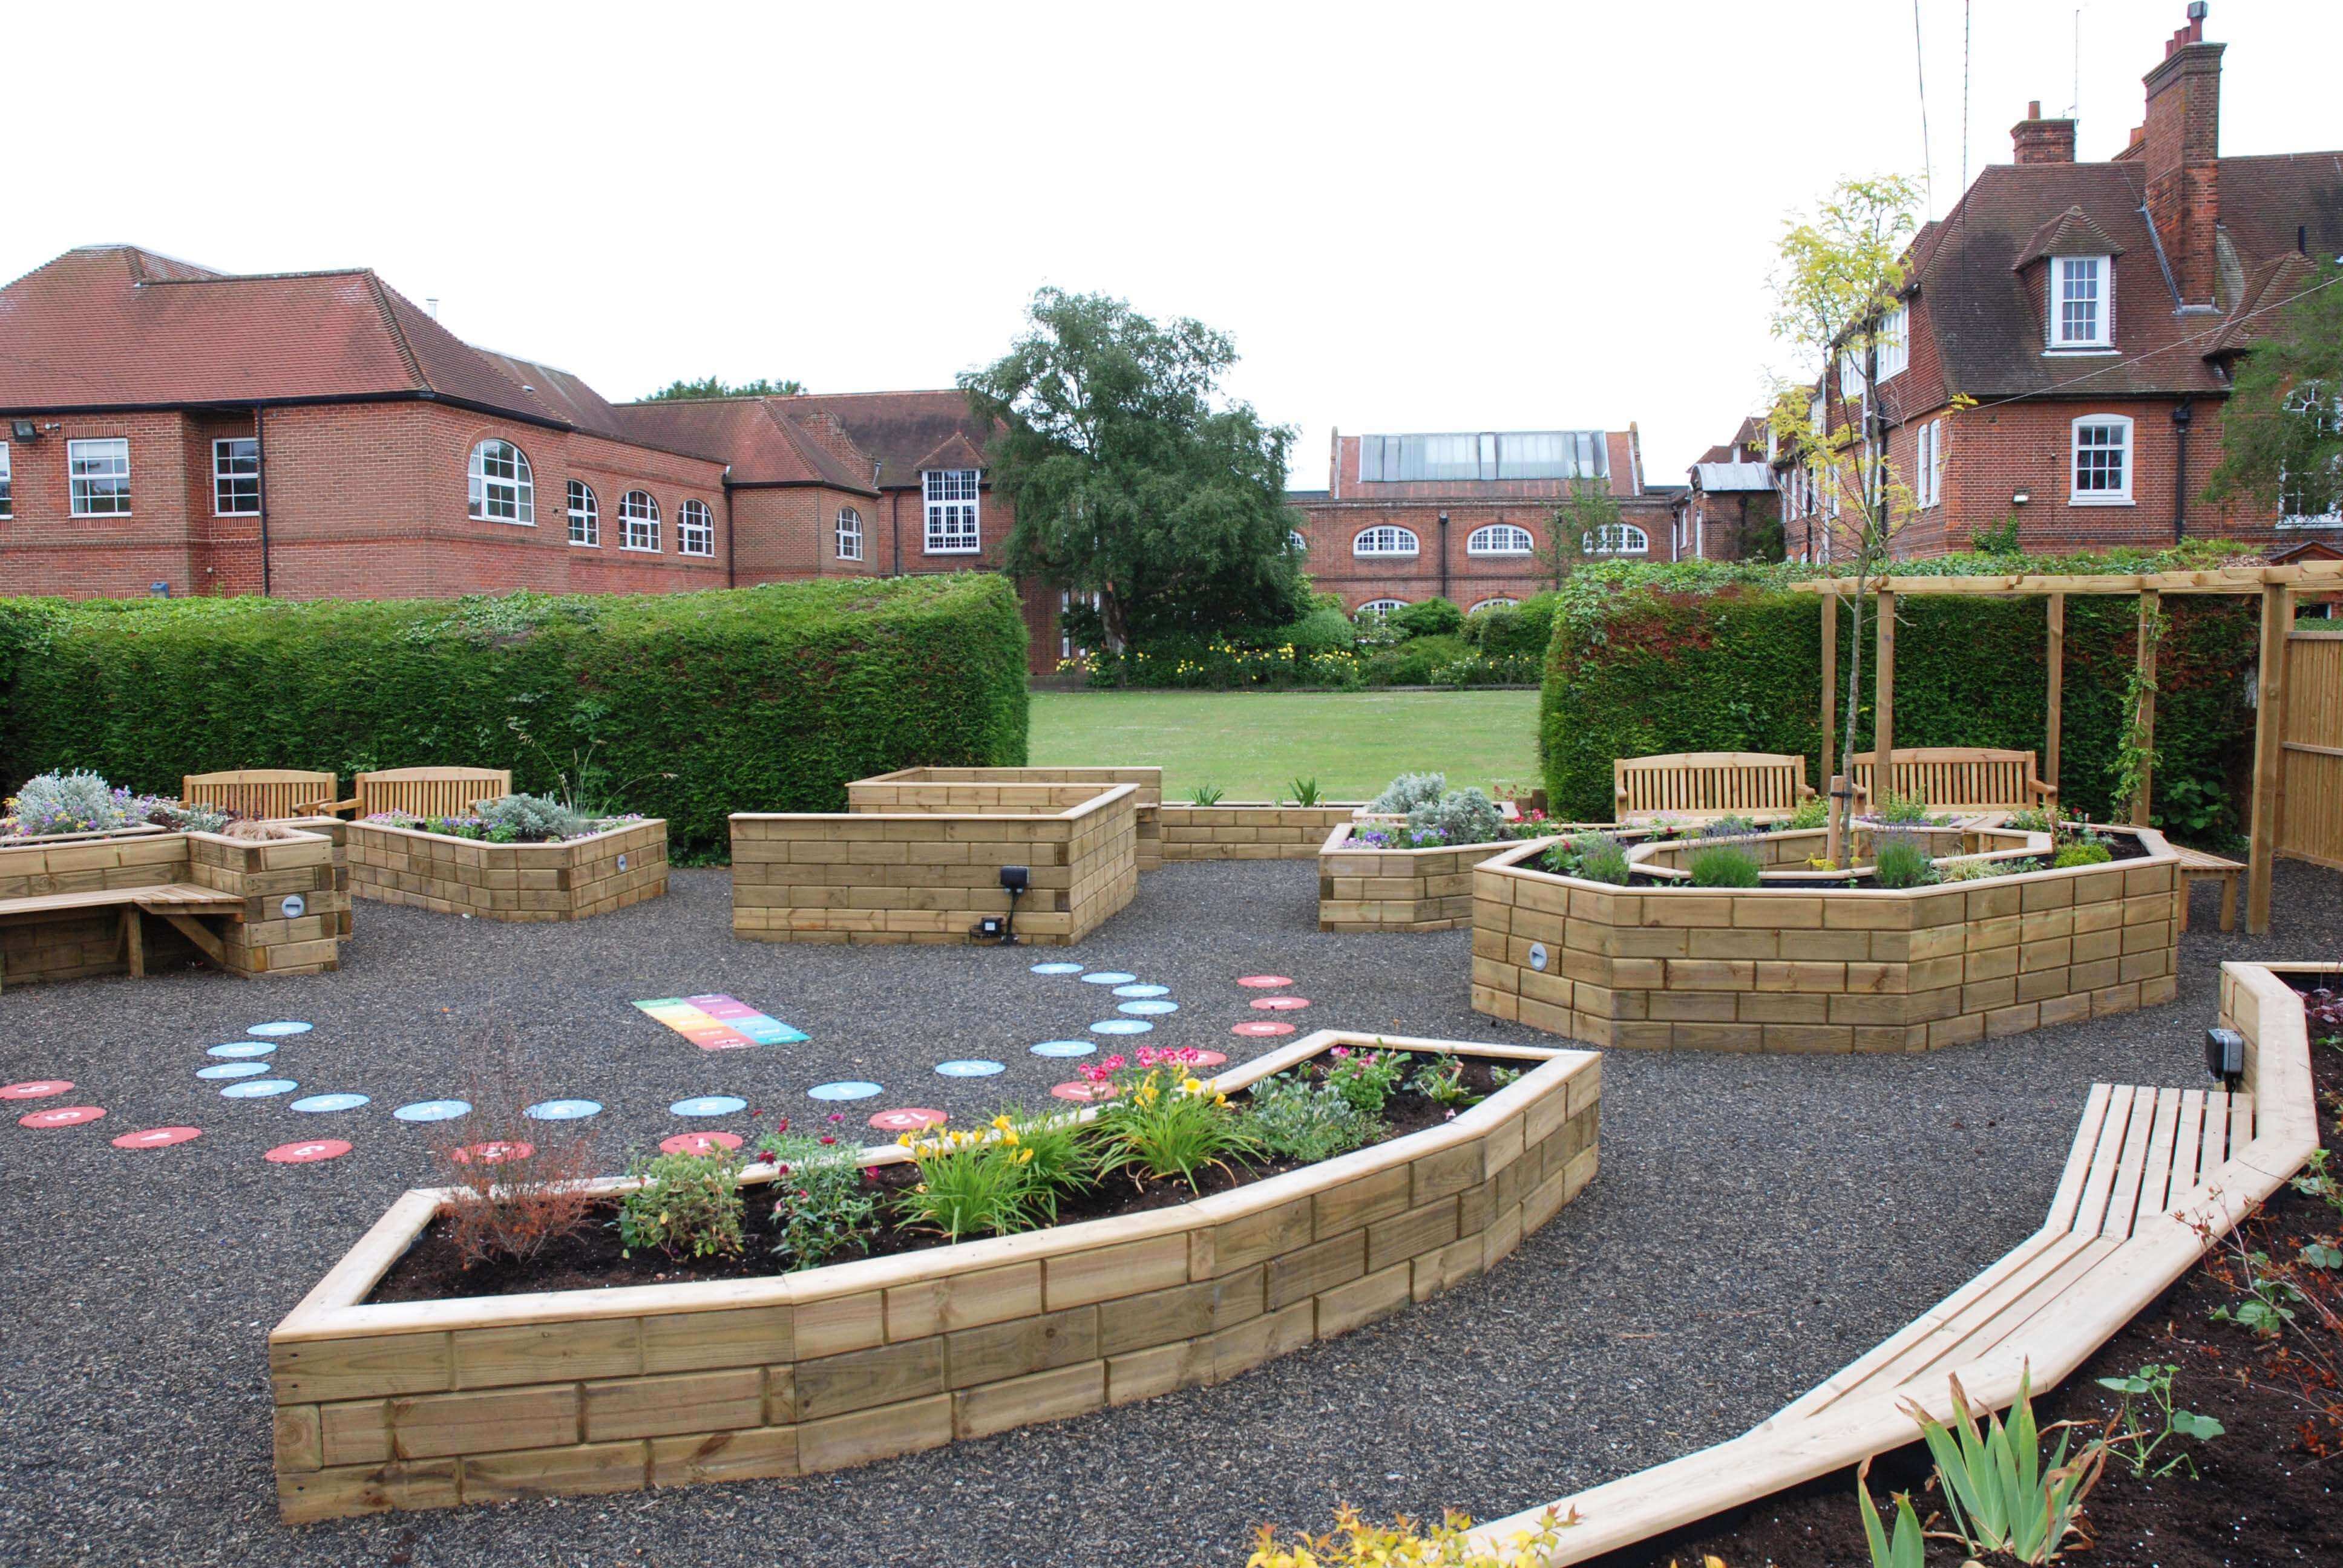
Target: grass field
1250	744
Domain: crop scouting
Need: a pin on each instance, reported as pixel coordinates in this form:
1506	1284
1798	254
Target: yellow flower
1003	1122
1023	1155
1012	1140
1193	1085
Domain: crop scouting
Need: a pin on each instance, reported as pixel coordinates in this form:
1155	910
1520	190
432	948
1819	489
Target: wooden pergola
2277	587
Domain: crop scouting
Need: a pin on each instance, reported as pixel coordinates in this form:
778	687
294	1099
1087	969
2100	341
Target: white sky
1410	217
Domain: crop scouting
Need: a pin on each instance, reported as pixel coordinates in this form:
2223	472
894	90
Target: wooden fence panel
2310	784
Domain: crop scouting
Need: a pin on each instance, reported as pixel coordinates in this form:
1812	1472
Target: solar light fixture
1016	879
2225	1055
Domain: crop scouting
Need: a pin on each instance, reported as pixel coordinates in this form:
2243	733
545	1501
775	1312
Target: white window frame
1380	608
2127	456
2102	298
1894	342
484	490
7	491
83	473
584	509
1928	465
849	533
955	525
631	516
1385	541
234	478
1474	545
695	529
2298	404
1296	542
1615	539
1498	603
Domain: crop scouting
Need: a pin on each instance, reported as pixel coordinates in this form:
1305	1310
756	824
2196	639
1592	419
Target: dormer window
2082	301
1895	341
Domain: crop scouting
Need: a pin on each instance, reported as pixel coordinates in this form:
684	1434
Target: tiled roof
751	434
891	436
2070	233
900	430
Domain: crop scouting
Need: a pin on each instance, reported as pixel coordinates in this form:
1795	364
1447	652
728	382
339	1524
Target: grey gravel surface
1758	1221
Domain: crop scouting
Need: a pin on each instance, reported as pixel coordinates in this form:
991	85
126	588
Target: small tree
717	387
2282	428
1575	528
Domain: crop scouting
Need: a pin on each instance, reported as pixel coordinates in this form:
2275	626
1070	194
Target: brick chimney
2041	141
2181	155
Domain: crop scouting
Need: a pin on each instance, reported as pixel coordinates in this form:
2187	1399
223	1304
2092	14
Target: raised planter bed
1362	887
964	790
1816	968
429	1405
930	875
1250	830
567	880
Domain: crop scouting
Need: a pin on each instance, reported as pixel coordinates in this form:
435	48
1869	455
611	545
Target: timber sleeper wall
564	882
431	1404
1249	830
964	790
1812	970
1364	888
930	875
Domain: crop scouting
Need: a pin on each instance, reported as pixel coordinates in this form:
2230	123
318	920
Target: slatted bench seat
1954	778
1698	786
178	903
2196	865
261	791
421	791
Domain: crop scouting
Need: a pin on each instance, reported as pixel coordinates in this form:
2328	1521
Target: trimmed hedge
1658	660
693	705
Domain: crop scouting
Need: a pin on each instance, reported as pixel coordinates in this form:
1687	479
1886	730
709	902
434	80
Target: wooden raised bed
565	882
964	790
1250	830
930	876
429	1405
1364	888
1822	968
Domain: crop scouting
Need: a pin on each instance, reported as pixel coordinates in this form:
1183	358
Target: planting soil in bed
593	1258
2267	1492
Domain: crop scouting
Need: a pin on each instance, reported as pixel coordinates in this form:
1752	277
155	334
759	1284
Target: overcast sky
1410	217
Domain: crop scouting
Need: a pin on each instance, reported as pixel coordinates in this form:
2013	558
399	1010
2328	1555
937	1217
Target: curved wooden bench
1693	785
1956	778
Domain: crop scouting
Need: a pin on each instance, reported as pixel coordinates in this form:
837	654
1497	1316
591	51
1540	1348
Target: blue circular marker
1151	1009
321	1102
1062	1047
259	1087
1057	969
563	1109
708	1105
1121	1026
969	1067
242	1047
232	1070
1142	990
434	1110
845	1088
284	1026
1108	977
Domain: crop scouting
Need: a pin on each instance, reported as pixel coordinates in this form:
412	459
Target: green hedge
691	706
1656	660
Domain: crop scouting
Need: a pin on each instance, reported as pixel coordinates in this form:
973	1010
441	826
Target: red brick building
2094	312
1729	509
1465	516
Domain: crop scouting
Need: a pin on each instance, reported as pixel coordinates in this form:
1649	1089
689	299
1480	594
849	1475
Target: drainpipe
1443	555
260	461
731	538
2183	412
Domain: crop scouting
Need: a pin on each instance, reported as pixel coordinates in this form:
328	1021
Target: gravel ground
1758	1221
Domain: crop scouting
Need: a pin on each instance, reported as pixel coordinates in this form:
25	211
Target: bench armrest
326	808
2037	787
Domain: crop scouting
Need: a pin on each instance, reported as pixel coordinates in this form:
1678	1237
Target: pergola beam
2308	575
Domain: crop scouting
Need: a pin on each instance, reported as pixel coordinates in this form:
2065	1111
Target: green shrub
2081	852
1408	791
1812	812
822	1205
1513	631
528	820
1726	866
1322	630
1597	857
756	699
1412	662
1459	817
1293	1119
1901	860
688	1205
1433	616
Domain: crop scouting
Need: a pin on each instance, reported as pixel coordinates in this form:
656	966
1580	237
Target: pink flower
1340	1051
826	1138
838	1116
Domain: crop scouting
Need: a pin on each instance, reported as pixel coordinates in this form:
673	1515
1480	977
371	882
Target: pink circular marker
1083	1093
1262	1028
1207	1059
698	1142
61	1116
307	1154
1281	1003
909	1119
495	1153
1263	983
158	1137
38	1088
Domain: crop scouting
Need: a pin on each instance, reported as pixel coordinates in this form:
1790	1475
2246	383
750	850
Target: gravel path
1757	1223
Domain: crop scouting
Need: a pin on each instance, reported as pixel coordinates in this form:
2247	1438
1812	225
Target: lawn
1251	743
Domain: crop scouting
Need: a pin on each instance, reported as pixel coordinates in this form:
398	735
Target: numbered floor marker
307	1154
564	1109
1142	990
845	1089
1083	1093
1207	1059
317	1104
35	1088
158	1137
282	1027
237	1049
434	1110
258	1088
908	1118
1108	977
971	1067
1059	969
1062	1047
1121	1026
1262	1028
1148	1009
219	1069
708	1105
698	1142
497	1151
1281	1003
1263	983
61	1116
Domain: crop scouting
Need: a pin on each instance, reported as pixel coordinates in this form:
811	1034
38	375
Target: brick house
1462	516
1729	506
2094	312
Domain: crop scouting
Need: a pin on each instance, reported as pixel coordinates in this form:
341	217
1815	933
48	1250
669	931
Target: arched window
695	530
501	490
1296	543
585	515
1492	604
639	521
849	533
1380	608
1384	540
1500	540
1616	539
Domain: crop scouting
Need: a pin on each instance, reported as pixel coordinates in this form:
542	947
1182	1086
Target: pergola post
1883	728
2144	717
1830	682
2055	704
2269	740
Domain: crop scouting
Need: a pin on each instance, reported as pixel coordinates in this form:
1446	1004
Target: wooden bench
422	791
178	903
261	793
2196	865
1695	786
1956	778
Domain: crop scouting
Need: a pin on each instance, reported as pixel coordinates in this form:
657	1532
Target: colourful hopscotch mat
720	1022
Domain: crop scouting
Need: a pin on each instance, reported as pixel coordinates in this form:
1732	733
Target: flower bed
1017	789
432	1403
619	862
1820	966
